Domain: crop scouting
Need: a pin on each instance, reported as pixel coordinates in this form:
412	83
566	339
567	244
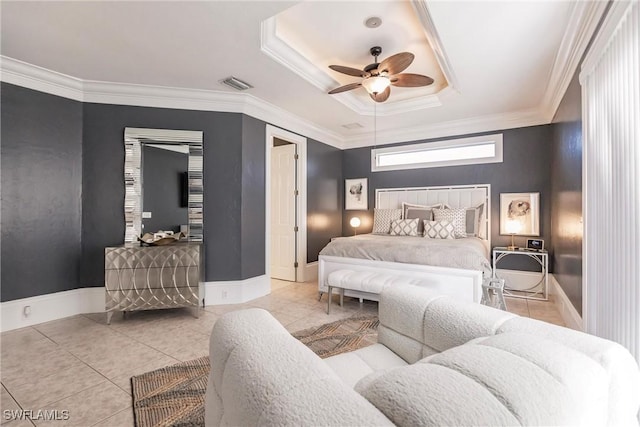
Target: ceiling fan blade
382	96
345	88
410	80
349	71
396	63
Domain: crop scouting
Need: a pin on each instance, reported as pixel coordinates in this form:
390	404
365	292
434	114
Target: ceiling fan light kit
379	77
376	84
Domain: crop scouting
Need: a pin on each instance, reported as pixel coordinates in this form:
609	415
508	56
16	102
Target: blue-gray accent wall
41	151
566	194
525	168
63	192
325	196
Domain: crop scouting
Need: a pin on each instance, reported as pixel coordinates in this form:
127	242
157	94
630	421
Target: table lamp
355	223
513	227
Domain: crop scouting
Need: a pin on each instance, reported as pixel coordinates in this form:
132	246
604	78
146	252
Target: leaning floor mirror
163	179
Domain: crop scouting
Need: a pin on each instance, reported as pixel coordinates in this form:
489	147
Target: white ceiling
496	57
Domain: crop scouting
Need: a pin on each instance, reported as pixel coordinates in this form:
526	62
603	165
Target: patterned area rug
340	336
174	396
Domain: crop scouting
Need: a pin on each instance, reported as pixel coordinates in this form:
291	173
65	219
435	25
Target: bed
453	267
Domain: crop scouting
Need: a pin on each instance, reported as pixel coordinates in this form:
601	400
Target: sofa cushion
401	312
430	395
617	362
351	367
449	323
261	375
512	379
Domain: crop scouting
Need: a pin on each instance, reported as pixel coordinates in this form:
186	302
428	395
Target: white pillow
439	230
382	220
404	227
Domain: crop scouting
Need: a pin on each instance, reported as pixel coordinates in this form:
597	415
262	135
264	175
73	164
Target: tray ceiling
497	64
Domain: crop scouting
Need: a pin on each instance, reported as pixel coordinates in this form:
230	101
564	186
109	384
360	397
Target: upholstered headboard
459	196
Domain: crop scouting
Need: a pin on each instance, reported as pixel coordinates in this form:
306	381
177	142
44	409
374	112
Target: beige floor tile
517	306
144	341
182	345
18	371
23	342
227	308
119	361
123	418
7	403
284	318
88	349
42	391
268	302
90	406
21	422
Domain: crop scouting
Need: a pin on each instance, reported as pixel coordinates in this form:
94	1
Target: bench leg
329	299
319	296
341	297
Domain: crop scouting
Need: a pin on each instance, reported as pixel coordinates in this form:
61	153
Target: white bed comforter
469	253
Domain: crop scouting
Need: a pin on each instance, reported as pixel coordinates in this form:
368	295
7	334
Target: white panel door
283	212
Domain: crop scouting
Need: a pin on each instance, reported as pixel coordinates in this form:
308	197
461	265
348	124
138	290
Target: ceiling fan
379	77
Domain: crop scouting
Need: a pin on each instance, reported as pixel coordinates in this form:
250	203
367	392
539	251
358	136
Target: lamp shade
355	222
376	84
513	226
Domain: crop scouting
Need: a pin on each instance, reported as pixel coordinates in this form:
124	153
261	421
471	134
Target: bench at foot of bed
370	282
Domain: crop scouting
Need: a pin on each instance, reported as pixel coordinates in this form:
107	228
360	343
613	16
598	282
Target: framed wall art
355	194
520	214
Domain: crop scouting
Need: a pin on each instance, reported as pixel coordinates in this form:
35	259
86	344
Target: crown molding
37	78
431	33
32	77
480	124
283	53
584	19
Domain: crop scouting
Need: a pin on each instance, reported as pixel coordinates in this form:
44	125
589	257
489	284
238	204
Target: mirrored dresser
153	277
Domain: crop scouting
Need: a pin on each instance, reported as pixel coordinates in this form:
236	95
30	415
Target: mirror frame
134	138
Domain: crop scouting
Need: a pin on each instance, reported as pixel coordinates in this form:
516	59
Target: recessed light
236	83
373	22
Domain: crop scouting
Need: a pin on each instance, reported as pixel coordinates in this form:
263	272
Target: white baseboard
311	272
236	291
568	312
45	308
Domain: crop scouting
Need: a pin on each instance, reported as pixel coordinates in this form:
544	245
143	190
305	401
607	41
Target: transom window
453	152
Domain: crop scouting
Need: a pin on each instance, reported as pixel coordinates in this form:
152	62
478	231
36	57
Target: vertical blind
610	79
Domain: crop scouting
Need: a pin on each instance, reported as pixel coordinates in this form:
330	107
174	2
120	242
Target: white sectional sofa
438	362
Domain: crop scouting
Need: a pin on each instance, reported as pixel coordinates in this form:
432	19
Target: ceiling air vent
352	126
236	83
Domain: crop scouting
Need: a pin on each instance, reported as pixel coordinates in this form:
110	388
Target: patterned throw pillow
421	212
456	216
439	230
404	227
382	219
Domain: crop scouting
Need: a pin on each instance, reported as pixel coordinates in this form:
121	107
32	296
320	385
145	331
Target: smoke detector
373	22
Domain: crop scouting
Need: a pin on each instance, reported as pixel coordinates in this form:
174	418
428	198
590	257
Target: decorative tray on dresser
153	277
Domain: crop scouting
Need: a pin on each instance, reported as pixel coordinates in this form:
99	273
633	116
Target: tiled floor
82	365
